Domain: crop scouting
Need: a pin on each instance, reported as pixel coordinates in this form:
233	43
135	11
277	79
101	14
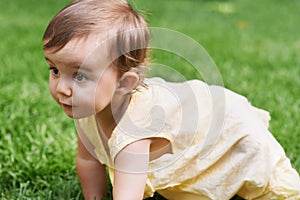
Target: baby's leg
284	183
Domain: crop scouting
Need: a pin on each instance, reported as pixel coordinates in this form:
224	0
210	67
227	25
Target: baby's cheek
52	90
84	103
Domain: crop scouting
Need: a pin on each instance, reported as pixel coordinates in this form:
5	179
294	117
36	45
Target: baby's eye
80	77
54	71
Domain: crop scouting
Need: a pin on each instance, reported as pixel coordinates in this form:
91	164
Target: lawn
255	45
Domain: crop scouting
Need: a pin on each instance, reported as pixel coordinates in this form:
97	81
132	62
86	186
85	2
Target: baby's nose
64	87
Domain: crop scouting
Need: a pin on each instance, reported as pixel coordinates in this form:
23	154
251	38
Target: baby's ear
128	82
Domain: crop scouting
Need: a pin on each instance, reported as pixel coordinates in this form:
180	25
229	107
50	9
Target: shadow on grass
159	197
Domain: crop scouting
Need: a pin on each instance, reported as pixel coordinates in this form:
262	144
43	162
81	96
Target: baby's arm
91	173
131	166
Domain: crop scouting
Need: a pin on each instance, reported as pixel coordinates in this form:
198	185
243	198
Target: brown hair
114	17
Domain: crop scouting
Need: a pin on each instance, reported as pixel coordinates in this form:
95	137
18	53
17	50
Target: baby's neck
108	118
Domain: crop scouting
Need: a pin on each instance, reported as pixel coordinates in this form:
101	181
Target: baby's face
82	79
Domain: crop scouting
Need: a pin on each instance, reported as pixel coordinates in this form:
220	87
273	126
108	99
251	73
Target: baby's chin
79	115
77	112
71	116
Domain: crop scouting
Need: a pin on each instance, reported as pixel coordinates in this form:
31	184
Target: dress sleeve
143	119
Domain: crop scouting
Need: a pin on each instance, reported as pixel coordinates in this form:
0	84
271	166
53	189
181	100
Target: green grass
255	44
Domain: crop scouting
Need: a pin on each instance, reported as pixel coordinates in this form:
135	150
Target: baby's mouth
67	106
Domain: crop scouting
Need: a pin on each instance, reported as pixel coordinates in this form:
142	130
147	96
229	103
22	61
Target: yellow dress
220	143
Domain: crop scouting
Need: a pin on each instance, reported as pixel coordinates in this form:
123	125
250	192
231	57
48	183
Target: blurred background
255	45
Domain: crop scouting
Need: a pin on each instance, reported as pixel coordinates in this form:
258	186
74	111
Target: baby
185	140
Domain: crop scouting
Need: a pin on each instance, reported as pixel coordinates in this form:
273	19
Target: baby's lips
66	105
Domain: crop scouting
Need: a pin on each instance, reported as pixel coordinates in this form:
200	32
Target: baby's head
116	23
95	48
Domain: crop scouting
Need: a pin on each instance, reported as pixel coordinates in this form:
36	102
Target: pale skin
71	85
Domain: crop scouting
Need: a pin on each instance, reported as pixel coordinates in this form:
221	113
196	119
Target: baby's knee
285	181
